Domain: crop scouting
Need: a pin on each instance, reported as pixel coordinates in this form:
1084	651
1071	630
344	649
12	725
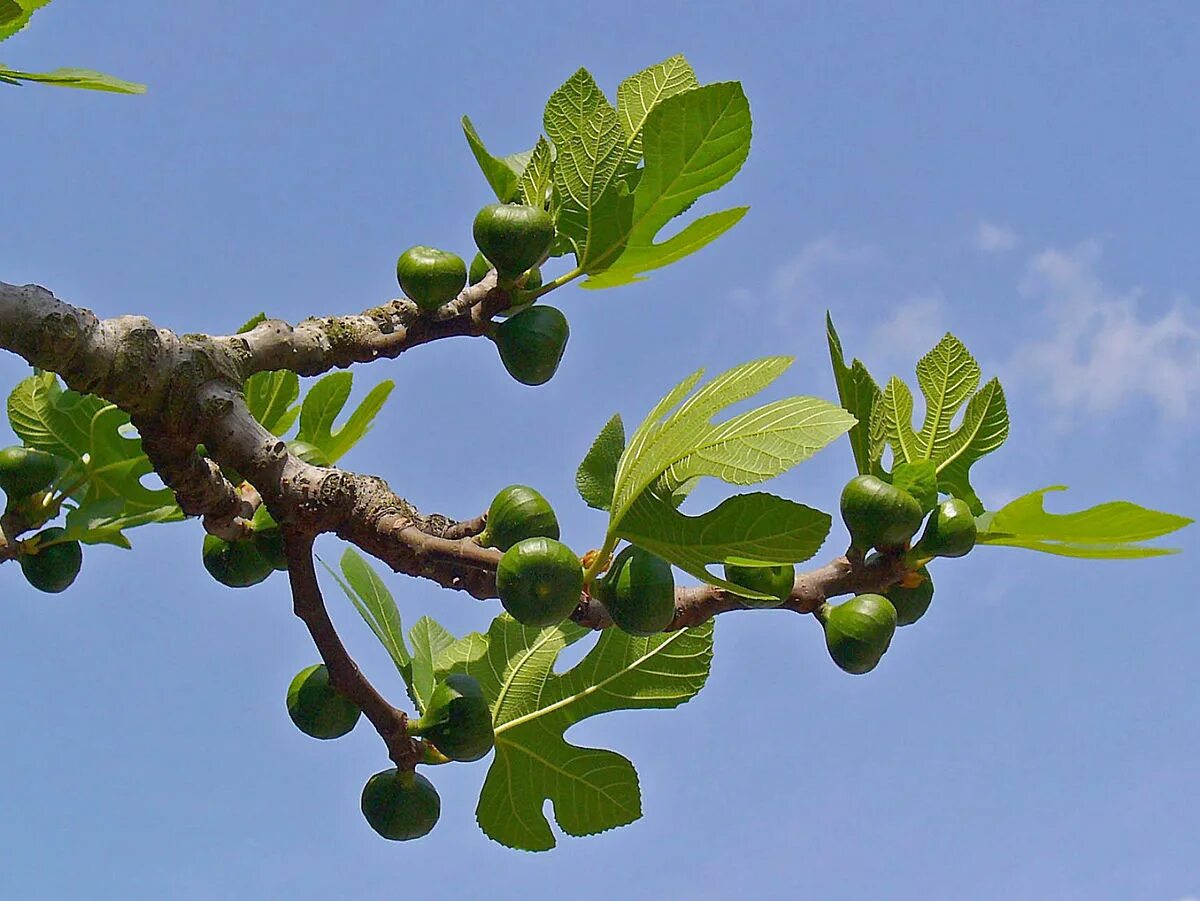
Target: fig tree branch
344	674
183	392
317	345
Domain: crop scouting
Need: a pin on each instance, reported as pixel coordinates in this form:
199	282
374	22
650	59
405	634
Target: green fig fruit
950	531
515	237
400	805
315	706
539	581
911	602
858	631
54	566
430	277
458	721
238	564
776	581
25	470
878	514
516	513
532	343
268	539
638	592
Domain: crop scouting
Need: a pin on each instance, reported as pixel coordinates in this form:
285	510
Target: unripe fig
638	592
458	721
516	513
776	581
859	631
54	567
268	539
513	236
532	343
400	804
911	602
238	564
950	531
316	707
430	277
26	470
878	514
539	581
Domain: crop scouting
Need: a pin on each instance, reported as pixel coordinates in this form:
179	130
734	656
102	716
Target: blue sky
1022	174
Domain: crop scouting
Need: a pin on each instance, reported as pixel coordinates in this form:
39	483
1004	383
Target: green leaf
325	401
92	435
639	94
896	408
859	396
948	376
429	641
592	790
538	178
104	521
694	143
14	15
271	398
593	206
678	443
503	174
78	78
253	322
572	107
984	428
747	529
375	605
597	474
745	449
1112	531
116	464
919	479
46	416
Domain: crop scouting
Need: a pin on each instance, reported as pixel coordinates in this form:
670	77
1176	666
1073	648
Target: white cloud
798	276
797	288
993	238
914	327
1099	351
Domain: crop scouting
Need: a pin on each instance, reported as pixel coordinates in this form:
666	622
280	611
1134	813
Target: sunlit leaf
1114	530
592	790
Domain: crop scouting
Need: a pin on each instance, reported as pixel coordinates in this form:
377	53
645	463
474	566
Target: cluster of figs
49	561
883	518
456	726
514	239
539	579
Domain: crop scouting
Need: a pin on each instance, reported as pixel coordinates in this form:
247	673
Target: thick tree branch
317	345
185	392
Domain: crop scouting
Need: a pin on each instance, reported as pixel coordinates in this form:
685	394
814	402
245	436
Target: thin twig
344	674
